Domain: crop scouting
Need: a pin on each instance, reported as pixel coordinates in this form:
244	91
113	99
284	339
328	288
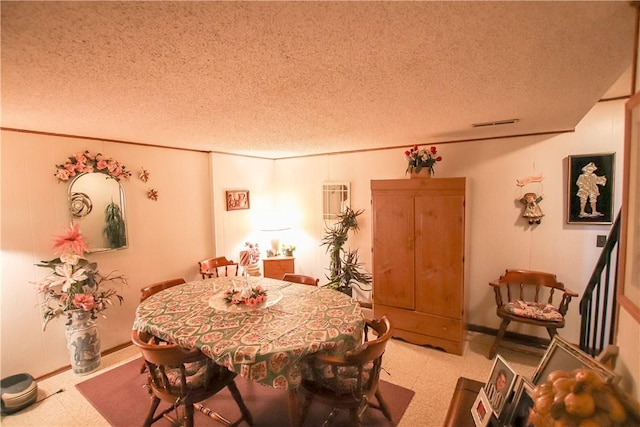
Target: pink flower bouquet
418	158
75	283
87	162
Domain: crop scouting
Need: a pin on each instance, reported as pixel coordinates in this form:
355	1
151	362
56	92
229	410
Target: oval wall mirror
97	204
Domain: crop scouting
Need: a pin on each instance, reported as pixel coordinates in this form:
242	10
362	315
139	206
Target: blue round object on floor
18	392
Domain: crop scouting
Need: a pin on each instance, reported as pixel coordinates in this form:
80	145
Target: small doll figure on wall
532	211
530	199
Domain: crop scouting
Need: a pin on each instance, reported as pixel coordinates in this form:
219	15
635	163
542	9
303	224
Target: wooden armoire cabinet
418	259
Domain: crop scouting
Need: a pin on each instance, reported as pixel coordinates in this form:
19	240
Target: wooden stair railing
598	303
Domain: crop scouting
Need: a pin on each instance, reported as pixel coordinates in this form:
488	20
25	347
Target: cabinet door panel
439	254
275	268
393	245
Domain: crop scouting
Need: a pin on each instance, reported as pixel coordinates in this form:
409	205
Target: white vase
83	342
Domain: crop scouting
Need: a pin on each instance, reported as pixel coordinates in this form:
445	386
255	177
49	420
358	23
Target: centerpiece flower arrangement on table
246	295
418	158
76	283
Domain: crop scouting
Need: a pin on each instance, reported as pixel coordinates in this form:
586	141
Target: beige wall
178	229
166	238
498	237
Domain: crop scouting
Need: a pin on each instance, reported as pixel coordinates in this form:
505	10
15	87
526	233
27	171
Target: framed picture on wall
237	199
590	189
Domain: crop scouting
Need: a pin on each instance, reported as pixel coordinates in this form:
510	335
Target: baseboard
515	337
68	367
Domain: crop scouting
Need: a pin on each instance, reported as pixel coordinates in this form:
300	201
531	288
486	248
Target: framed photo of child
590	189
499	385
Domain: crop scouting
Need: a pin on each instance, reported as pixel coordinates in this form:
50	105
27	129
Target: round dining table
265	342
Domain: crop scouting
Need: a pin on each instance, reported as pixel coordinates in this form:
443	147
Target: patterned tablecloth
264	344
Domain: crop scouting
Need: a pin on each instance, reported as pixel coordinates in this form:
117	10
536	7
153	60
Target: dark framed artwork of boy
590	188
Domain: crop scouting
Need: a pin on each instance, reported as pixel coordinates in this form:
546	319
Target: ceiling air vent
496	123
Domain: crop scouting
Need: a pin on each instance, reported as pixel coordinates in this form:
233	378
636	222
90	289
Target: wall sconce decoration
80	204
152	194
143	175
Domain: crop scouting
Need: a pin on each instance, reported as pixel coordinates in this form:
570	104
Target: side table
459	413
275	267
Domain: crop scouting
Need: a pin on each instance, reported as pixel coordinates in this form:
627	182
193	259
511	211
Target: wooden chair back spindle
171	381
354	378
216	267
532	285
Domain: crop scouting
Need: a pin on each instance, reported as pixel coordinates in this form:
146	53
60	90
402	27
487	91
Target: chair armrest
570	292
365	304
496	283
327	359
566	299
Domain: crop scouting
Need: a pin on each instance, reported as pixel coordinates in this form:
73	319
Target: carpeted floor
119	396
431	373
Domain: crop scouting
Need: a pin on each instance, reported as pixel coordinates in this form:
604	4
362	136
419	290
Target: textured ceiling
279	79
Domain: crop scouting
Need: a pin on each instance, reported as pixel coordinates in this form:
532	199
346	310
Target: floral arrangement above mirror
88	162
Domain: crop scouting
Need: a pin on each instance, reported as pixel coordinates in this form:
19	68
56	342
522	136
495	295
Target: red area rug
119	396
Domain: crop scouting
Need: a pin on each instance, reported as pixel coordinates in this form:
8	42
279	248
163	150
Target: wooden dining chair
300	278
527	296
184	377
154	288
147	291
216	267
350	381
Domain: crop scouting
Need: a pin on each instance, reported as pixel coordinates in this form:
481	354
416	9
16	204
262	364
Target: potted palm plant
345	269
114	228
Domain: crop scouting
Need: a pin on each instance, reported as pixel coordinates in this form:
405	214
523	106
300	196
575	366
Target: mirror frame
122	204
86	162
